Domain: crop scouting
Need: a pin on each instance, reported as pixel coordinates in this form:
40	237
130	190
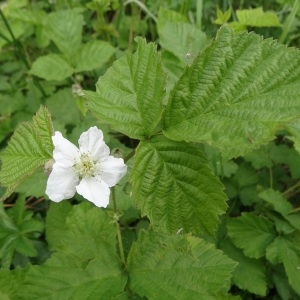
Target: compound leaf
235	94
29	148
129	96
175	188
177	267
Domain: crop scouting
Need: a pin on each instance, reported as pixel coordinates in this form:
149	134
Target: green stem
143	7
291	189
121	248
289	21
271	177
129	155
199	13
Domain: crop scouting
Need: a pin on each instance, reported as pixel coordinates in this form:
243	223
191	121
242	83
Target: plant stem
121	248
129	155
143	7
291	189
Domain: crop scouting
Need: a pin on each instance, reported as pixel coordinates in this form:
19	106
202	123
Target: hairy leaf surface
251	233
129	96
175	188
235	94
177	267
29	148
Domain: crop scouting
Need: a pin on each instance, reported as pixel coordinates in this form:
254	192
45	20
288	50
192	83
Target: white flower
89	170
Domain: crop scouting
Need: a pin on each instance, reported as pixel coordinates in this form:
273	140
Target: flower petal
111	170
91	142
61	183
65	153
94	190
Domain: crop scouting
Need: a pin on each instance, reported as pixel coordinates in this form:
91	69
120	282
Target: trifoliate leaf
51	67
281	205
64	28
177	267
93	55
257	17
65	277
182	39
235	94
286	249
250	273
175	188
251	233
129	96
29	148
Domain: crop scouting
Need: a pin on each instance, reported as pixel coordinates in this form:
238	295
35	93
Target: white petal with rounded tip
94	190
65	153
92	142
111	170
61	183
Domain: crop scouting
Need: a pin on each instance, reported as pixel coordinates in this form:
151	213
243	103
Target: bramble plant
197	198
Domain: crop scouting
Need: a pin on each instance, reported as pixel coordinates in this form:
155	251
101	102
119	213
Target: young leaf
67	277
51	67
175	188
235	94
30	147
64	28
93	55
250	273
177	267
257	17
129	96
251	233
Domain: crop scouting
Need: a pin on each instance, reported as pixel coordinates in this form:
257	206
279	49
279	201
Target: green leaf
64	28
175	188
63	107
93	55
10	282
179	37
235	94
257	17
281	205
286	249
177	267
15	227
67	277
56	223
51	67
249	274
129	96
29	148
251	233
86	231
87	266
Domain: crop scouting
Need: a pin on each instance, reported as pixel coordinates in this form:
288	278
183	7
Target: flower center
85	167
